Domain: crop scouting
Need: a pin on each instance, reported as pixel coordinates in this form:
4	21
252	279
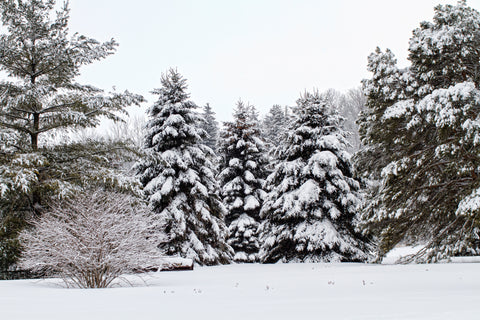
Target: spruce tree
179	178
243	170
210	126
275	124
422	139
310	211
39	97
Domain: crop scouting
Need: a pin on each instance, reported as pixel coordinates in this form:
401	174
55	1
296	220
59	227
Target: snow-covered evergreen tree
275	124
210	126
243	170
38	97
179	178
310	211
422	137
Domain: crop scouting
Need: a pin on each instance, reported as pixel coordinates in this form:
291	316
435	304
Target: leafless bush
91	239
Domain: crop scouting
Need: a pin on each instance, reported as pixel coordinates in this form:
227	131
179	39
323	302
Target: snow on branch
91	239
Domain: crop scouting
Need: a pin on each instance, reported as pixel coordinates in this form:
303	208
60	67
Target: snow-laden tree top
38	48
173	120
445	51
41	61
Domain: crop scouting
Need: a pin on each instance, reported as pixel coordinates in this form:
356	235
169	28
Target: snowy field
280	291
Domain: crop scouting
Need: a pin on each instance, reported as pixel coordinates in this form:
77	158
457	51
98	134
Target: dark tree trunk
36	196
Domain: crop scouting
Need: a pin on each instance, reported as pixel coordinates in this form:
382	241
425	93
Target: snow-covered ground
280	291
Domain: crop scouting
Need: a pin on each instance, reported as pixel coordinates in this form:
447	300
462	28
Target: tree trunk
36	196
34	134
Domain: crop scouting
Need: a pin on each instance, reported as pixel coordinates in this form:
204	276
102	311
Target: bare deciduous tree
349	105
130	130
91	239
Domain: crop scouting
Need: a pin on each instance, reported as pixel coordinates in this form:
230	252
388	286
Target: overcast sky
264	52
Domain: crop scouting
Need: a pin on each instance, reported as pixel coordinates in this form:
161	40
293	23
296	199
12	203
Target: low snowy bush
91	239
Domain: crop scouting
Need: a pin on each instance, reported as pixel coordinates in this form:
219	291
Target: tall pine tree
422	136
310	211
243	170
38	97
179	178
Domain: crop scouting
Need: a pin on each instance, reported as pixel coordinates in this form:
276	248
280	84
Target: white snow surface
254	291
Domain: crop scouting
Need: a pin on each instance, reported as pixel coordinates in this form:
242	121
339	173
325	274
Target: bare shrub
91	239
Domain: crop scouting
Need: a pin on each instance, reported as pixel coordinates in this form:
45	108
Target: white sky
263	51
